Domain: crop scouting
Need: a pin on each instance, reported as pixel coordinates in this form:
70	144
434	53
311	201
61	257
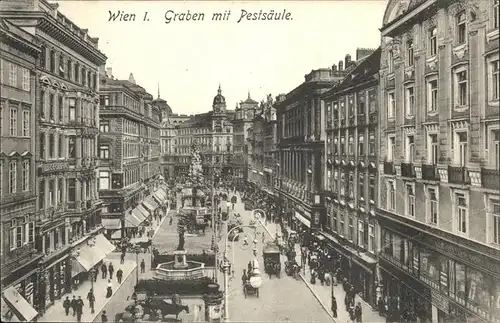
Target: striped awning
142	210
131	220
150	203
111	224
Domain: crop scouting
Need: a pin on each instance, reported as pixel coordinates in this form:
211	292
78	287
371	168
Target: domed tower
219	104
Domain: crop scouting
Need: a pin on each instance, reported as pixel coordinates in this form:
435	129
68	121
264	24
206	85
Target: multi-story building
168	138
270	144
256	150
18	256
351	173
212	132
129	152
301	136
243	120
439	203
67	114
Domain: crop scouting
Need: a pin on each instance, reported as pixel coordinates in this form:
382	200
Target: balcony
407	170
389	168
490	178
430	172
458	175
52	166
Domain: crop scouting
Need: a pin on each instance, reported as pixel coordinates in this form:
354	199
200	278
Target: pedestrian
94	276
79	309
352	317
111	270
119	275
143	266
334	306
122	258
73	305
91	299
171	220
66	305
104	317
358	312
104	270
346	302
109	290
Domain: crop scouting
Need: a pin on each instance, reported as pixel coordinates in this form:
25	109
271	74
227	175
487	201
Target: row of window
345	225
349	147
345	183
51	191
460	88
459	147
66	68
351	105
18	76
21	235
460	208
131	176
58	108
19	121
18	176
56	145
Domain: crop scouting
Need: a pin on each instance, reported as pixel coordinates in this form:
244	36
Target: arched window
52	61
13	177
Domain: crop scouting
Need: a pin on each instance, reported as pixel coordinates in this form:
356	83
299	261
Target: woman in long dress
109	291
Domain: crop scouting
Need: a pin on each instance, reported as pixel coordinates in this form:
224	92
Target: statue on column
181	229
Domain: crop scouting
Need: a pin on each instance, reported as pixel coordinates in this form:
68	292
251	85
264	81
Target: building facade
301	136
243	121
168	139
19	257
67	112
270	144
256	150
439	203
351	174
129	153
212	132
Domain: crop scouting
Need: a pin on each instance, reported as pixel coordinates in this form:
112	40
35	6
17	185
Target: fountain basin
193	270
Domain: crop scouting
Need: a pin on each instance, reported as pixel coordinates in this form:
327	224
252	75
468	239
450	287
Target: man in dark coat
119	275
358	312
104	317
111	270
91	299
66	305
79	309
334	306
73	305
143	266
122	258
104	270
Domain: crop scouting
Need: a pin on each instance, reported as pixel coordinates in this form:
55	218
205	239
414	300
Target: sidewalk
324	295
55	313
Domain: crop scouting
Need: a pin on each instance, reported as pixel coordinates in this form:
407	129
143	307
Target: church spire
249	94
158	90
219	91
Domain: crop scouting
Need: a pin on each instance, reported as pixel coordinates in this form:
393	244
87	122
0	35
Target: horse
145	245
124	317
166	308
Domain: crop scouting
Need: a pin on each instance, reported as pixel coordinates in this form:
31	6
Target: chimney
341	66
334	67
347	60
109	72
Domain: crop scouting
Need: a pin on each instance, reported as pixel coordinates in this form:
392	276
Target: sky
188	59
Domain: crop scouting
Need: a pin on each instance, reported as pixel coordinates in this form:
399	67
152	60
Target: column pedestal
213	301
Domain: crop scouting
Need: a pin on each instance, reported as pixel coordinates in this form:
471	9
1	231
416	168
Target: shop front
54	280
87	256
359	268
303	224
463	285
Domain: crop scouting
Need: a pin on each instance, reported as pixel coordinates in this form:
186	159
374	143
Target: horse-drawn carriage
272	262
251	286
147	308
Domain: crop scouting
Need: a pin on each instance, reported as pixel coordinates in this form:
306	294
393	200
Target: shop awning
131	220
160	196
150	203
111	224
268	170
143	211
19	306
117	235
90	253
302	219
138	214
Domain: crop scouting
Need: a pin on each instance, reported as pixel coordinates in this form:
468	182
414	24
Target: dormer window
461	28
409	53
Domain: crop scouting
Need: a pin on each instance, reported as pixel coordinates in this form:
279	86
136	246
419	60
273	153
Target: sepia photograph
250	161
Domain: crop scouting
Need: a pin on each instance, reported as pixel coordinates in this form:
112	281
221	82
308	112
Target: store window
429	267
